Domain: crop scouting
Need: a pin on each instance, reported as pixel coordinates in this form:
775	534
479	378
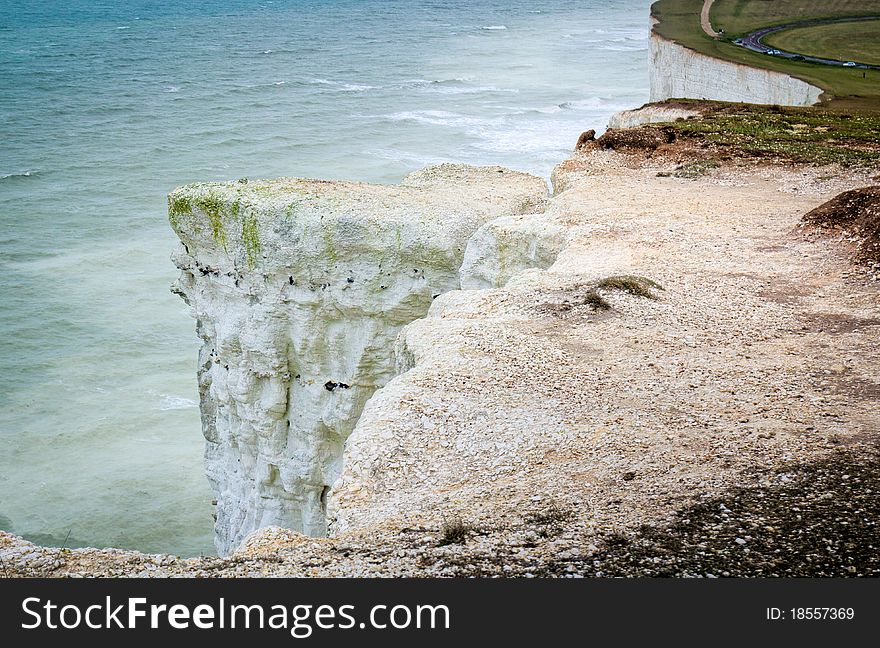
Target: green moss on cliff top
251	238
213	204
178	206
804	135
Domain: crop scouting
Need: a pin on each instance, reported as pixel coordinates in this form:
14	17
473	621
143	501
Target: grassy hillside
738	17
844	42
847	88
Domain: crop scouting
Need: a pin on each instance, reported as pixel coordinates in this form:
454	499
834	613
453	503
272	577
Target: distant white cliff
299	289
679	72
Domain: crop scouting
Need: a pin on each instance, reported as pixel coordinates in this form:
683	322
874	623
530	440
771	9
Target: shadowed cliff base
813	519
817	519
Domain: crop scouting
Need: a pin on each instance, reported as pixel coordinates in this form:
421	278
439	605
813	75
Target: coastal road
753	41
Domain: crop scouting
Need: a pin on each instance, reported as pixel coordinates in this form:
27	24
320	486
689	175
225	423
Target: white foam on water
355	87
169	402
440	89
19	174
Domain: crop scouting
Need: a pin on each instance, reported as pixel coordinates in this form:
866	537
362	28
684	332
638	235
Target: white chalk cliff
299	289
679	72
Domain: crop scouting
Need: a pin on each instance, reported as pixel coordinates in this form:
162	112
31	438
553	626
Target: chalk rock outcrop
299	288
508	245
649	115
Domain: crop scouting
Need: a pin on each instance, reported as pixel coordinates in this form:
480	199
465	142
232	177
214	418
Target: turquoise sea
105	106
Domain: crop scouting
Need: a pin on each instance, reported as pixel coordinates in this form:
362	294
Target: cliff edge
656	371
299	288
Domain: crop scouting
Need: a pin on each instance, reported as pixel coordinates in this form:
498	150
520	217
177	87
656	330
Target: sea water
105	106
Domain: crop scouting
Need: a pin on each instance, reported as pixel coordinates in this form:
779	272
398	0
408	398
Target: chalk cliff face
299	288
508	245
679	72
649	115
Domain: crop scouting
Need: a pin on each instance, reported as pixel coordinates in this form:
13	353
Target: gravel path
705	22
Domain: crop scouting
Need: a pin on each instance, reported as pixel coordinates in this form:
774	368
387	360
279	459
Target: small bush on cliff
596	301
856	215
592	296
691	170
553	513
632	284
646	138
454	531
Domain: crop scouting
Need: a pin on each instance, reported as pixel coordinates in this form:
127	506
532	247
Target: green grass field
844	42
738	17
847	88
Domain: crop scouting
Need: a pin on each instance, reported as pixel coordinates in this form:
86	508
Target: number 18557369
811	614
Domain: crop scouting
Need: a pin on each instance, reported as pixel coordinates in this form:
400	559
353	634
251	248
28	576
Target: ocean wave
17	174
622	39
494	28
470	90
541	139
592	102
259	88
442	86
434	118
544	110
452	81
342	86
411	83
172	89
437	85
355	87
406	157
169	403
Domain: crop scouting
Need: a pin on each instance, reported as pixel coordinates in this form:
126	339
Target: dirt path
705	23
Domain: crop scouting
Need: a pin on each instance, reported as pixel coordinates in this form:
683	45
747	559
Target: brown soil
636	139
854	214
